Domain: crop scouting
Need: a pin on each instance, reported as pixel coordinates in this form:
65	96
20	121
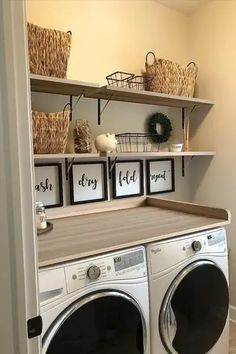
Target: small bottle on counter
41	220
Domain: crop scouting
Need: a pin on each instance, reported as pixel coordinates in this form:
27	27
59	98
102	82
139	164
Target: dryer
98	305
189	296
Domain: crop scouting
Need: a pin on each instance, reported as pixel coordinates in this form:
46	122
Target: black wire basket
139	82
119	79
136	142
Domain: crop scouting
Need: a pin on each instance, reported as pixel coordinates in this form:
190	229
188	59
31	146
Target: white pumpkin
105	142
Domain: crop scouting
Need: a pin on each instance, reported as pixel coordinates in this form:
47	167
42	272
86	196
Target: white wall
109	36
212	42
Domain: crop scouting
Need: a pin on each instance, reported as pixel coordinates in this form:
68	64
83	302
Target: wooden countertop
88	230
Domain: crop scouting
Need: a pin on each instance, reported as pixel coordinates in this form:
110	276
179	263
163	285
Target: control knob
93	272
196	246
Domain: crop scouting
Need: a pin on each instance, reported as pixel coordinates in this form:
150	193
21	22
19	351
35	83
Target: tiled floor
232	338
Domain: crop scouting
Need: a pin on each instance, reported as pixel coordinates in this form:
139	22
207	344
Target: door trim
18	256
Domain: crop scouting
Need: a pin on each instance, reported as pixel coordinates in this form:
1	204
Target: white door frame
18	256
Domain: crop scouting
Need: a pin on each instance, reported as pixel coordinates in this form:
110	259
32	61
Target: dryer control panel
167	254
115	266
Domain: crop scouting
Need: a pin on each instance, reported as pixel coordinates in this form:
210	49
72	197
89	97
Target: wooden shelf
60	86
146	97
124	154
65	156
164	154
92	90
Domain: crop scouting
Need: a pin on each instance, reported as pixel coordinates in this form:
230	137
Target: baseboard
232	313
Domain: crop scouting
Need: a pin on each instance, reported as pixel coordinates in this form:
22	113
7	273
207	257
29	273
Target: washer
189	296
99	305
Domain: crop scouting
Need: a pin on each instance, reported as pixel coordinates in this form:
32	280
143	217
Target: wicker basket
169	77
50	131
49	51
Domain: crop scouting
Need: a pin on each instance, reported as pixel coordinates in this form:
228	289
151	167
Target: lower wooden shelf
125	154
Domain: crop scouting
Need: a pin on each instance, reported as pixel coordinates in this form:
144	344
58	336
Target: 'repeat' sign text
160	176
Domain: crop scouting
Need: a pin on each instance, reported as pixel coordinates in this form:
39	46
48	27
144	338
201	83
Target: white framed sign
127	179
88	182
160	176
48	184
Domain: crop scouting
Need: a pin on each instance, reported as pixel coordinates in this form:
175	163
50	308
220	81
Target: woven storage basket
49	51
169	77
50	131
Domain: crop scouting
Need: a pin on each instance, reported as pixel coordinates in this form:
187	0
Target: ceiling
185	6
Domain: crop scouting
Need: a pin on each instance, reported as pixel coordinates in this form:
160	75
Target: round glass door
103	323
195	309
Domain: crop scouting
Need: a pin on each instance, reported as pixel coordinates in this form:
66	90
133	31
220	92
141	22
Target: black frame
148	162
115	196
104	164
59	166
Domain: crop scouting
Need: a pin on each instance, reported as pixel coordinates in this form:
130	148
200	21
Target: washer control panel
166	254
116	266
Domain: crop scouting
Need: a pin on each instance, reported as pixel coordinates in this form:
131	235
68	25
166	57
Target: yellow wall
213	34
110	35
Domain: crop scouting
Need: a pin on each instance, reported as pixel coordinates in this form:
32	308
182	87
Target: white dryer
189	296
98	305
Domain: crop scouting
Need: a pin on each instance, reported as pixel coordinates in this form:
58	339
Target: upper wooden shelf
146	97
60	86
92	90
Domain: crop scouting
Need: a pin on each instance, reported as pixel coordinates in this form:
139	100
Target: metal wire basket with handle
119	79
136	142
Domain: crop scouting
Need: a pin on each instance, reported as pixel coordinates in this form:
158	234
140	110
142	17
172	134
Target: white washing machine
189	297
99	305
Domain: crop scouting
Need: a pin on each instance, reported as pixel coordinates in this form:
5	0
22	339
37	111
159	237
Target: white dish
175	147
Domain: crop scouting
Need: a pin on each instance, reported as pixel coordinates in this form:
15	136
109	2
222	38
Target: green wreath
165	123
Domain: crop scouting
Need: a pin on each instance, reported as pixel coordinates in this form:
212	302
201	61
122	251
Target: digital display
217	238
128	260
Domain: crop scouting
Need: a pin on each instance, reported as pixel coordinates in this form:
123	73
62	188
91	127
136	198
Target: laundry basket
50	131
169	77
49	51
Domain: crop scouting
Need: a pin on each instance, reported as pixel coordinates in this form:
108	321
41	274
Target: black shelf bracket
111	165
68	166
70	104
71	108
183	166
100	111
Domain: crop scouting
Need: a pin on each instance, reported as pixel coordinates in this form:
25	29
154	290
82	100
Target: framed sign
127	179
48	184
160	176
88	182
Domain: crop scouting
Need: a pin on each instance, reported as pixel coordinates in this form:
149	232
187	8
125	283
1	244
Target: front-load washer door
102	323
195	309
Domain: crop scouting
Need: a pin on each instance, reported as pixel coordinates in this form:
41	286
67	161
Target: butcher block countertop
91	229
